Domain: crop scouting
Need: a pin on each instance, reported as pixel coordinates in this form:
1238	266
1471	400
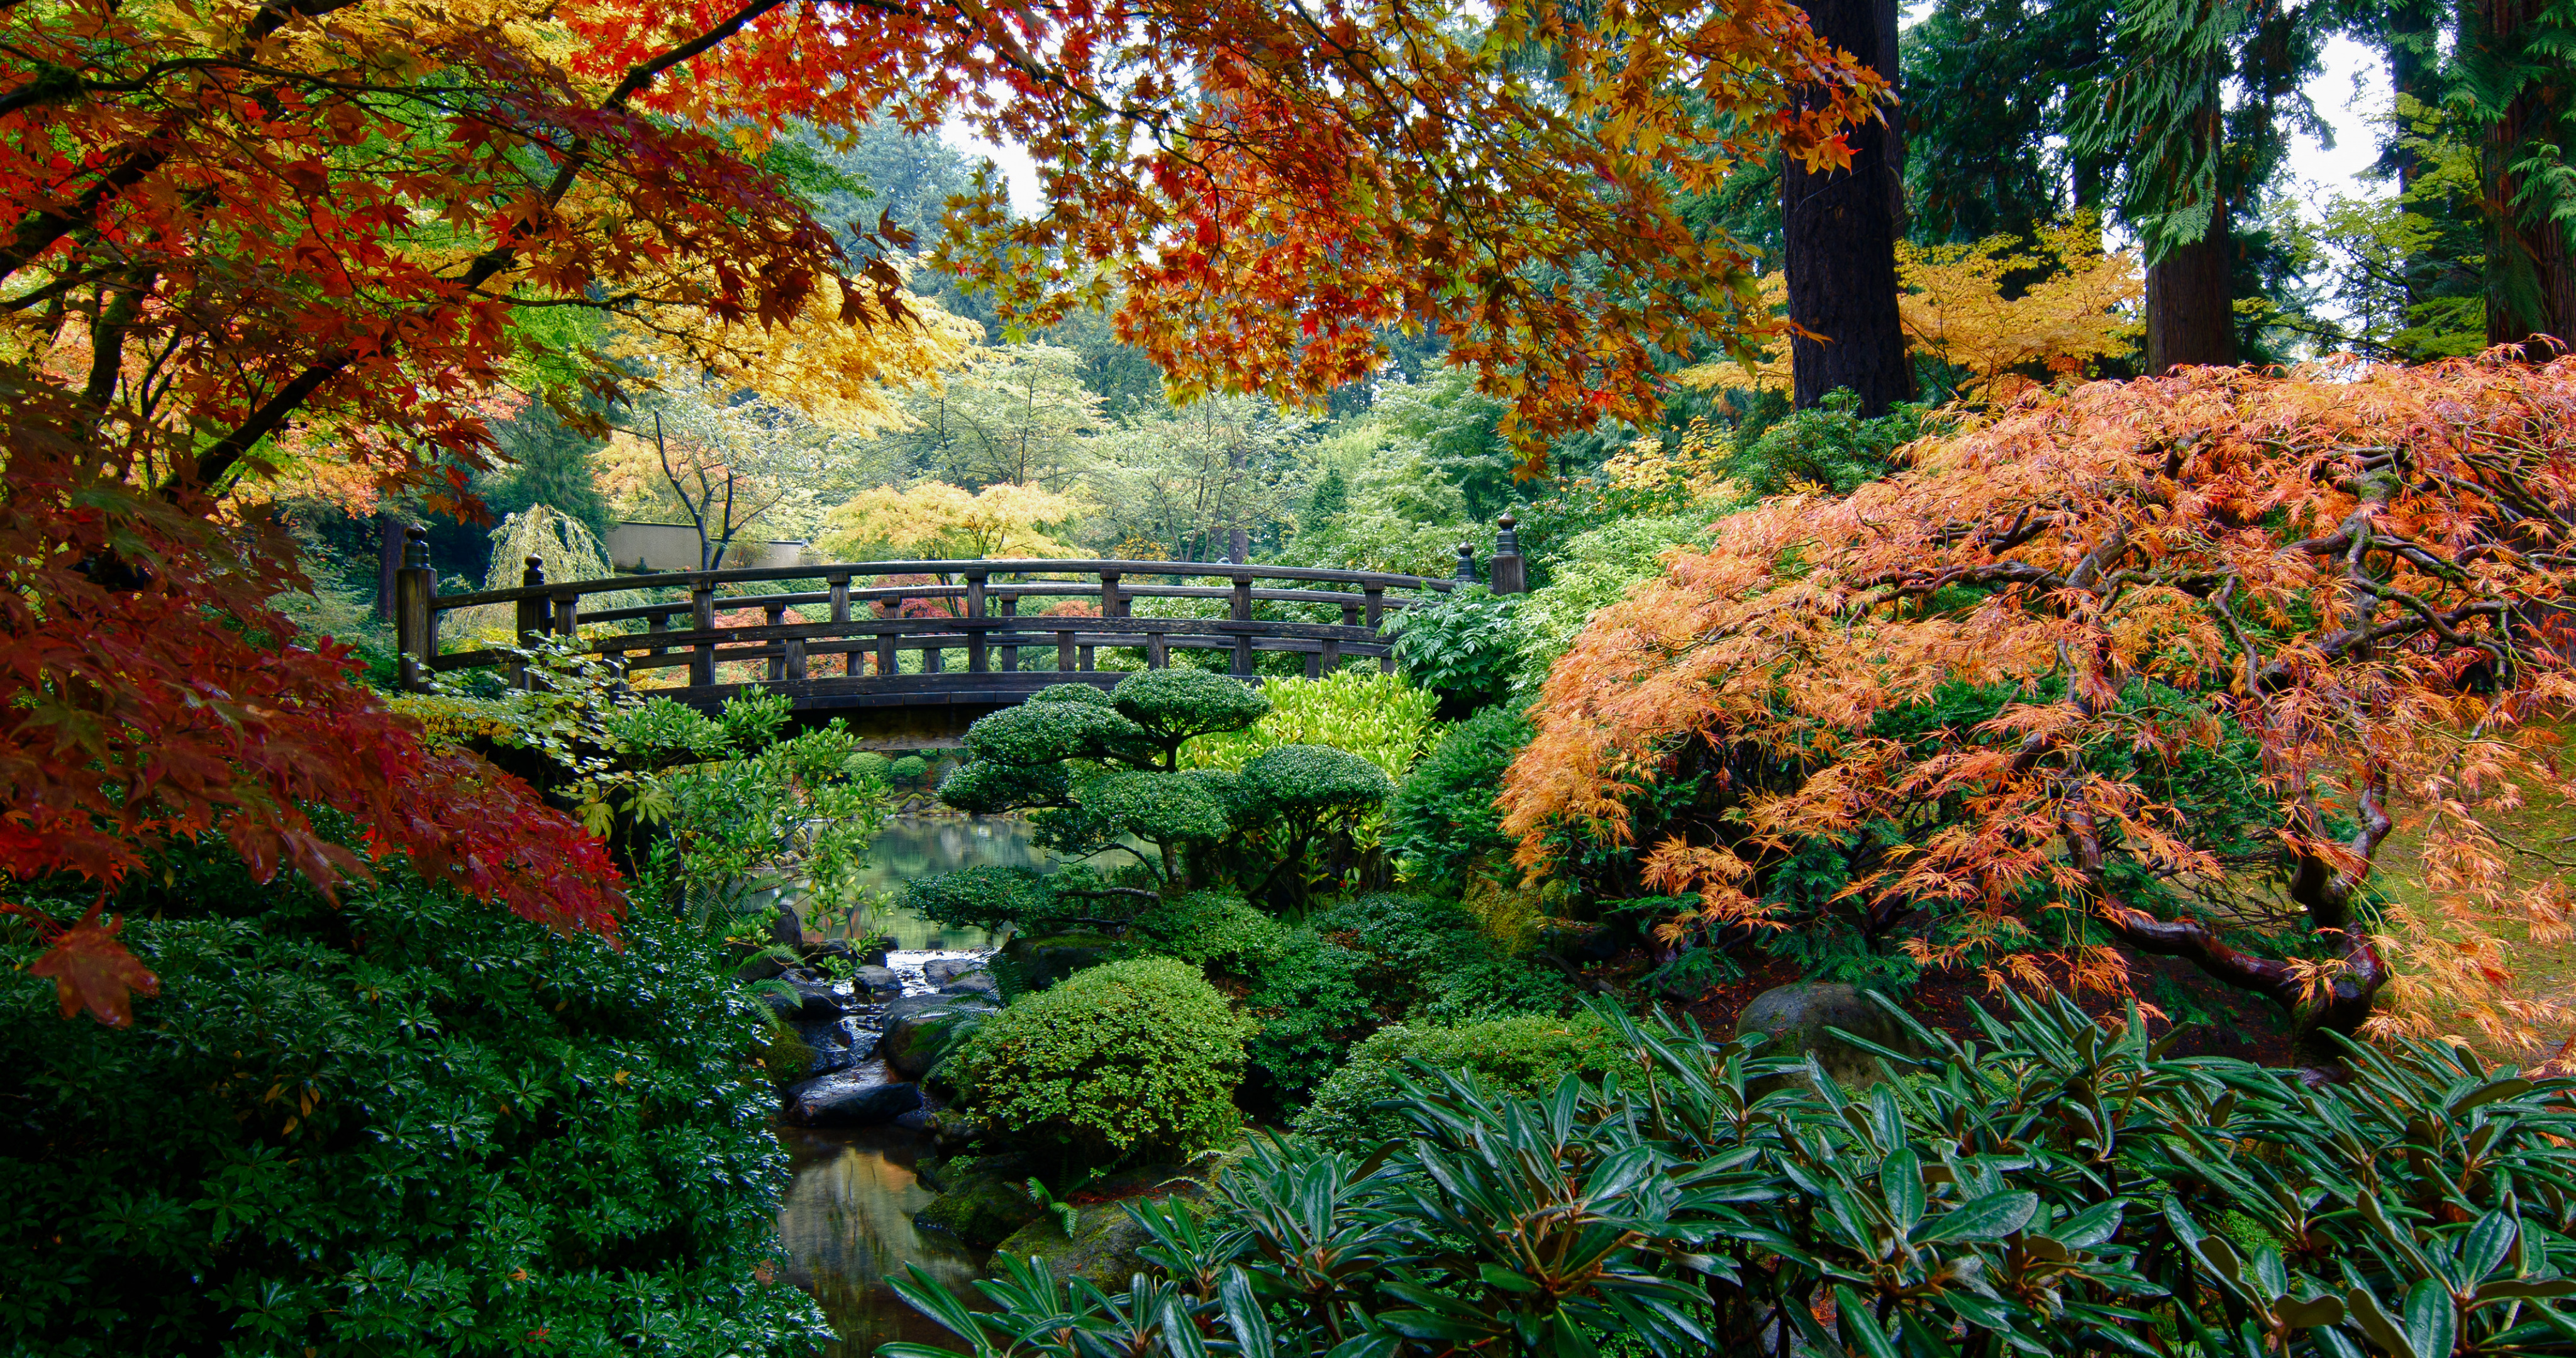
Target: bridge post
702	618
1243	613
415	622
976	660
851	663
531	617
1376	597
776	615
1510	572
1011	654
1112	605
568	614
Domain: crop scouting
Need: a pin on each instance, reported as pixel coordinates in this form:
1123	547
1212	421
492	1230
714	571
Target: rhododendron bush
2159	665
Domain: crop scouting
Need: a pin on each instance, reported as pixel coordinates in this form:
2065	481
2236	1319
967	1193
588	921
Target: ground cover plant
2052	1187
2149	664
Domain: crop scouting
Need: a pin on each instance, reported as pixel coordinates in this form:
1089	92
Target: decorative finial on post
415	548
1466	563
1510	572
535	574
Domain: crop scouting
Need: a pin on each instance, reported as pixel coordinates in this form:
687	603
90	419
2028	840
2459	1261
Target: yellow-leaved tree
938	520
2075	304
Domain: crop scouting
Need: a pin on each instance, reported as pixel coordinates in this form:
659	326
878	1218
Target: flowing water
847	1219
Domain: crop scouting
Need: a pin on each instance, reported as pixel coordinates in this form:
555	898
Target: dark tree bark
2531	278
1839	232
2191	317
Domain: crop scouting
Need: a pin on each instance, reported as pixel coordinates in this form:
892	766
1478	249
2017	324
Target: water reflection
847	1226
917	846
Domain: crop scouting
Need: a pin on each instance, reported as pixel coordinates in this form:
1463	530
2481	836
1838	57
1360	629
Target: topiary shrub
1299	807
1212	930
910	770
1130	1061
1442	823
408	1124
867	766
1524	1054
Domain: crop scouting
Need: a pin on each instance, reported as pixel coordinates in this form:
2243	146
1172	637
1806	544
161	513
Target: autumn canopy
243	238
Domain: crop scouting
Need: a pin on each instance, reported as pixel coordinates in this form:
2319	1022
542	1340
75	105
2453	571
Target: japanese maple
2156	664
237	233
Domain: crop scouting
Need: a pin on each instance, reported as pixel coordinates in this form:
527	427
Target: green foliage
660	731
1378	959
1129	1060
984	787
407	1123
788	817
1174	706
1830	445
910	770
1524	1055
1459	645
2055	1189
1209	929
1379	717
1046	732
984	896
867	766
1443	822
1590	571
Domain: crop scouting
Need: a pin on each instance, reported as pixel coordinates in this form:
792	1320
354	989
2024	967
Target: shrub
1209	929
1443	823
909	770
867	766
1525	1054
1130	1060
2054	1190
408	1124
1300	807
1459	645
1311	1009
1379	717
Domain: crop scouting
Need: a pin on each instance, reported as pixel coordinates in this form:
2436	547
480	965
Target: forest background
1398	470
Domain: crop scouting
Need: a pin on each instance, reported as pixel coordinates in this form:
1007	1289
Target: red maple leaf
92	970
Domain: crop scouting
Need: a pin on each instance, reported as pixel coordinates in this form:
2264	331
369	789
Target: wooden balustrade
973	608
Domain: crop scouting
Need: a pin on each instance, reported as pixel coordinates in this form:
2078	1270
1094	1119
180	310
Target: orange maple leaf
91	969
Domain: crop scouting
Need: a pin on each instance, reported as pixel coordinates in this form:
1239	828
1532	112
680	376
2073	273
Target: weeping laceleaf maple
226	222
2229	628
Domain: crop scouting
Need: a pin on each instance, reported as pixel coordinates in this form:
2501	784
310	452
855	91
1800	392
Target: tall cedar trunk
1839	230
2190	295
2531	280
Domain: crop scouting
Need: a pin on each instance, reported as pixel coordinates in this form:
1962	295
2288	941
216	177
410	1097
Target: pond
847	1218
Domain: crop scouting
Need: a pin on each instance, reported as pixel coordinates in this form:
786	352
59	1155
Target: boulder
974	985
921	1030
940	971
786	930
875	980
866	1095
980	1210
1041	962
1794	1020
759	968
817	998
1105	1243
838	1044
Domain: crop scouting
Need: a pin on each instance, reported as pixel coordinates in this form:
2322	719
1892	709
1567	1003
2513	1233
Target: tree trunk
1839	233
2531	279
2190	319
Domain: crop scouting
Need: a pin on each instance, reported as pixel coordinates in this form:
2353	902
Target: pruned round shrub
867	766
1127	1061
1209	929
1524	1054
1042	733
1313	783
412	1123
910	769
983	788
1175	705
1071	693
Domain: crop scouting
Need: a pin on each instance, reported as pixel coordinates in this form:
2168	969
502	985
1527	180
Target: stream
847	1218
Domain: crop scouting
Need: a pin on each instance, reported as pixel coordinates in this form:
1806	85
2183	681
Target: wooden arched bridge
913	651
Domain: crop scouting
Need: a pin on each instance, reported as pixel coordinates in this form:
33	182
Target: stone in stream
974	985
939	971
1794	1021
921	1030
838	1044
865	1095
818	996
981	1208
876	980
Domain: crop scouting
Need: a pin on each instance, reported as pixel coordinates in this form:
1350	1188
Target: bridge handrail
1048	589
988	566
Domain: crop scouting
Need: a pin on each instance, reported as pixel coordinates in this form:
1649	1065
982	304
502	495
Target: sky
2352	89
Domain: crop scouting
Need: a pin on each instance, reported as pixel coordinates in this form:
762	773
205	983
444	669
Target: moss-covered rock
919	1035
980	1209
1104	1246
1032	964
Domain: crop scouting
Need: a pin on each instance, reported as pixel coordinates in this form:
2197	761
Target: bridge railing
904	631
